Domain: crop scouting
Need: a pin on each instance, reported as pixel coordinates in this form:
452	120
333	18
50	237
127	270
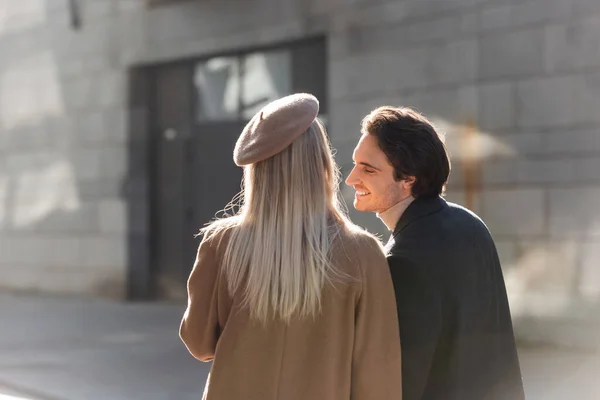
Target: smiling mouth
361	193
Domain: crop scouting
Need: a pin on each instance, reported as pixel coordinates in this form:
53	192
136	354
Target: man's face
373	178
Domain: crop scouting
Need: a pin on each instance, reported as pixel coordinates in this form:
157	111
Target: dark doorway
185	119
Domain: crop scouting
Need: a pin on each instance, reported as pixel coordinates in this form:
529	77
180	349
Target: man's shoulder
452	221
463	214
459	209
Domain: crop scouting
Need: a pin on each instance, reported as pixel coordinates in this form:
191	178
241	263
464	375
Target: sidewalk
73	349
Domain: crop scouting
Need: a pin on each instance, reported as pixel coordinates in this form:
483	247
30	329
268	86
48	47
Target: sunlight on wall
468	142
551	267
9	397
3	198
42	191
20	15
30	91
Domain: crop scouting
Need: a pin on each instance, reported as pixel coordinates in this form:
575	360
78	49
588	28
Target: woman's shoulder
360	245
216	234
359	237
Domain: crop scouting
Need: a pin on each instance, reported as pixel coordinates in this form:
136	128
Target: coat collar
417	209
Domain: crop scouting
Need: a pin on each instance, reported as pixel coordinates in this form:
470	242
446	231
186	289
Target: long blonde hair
278	251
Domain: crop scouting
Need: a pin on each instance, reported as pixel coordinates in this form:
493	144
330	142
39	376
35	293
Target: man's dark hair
413	147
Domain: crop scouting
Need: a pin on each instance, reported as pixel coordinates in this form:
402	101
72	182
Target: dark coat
455	324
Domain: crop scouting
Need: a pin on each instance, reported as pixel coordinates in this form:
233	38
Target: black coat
455	326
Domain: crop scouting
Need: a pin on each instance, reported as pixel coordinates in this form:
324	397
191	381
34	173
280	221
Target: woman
288	298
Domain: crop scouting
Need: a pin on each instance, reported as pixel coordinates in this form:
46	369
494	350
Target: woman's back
289	298
350	349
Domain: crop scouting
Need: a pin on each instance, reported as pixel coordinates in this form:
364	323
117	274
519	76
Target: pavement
82	349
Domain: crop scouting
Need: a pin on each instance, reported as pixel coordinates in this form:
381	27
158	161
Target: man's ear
408	182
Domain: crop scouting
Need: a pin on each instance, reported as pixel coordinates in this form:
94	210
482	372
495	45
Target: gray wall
514	84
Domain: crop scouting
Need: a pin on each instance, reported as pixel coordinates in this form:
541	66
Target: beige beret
275	127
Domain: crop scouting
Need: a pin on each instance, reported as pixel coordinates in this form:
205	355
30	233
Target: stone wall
515	84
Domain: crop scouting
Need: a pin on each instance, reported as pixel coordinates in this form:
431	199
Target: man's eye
369	171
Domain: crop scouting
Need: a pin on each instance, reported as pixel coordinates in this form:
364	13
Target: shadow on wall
62	164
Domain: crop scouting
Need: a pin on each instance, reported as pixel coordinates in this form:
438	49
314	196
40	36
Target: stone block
409	68
411	33
574	213
381	72
19	277
91	10
533	172
99	189
345	118
588	273
511	54
572	141
62	251
539	11
62	132
515	211
133	29
172	24
440	106
66	215
110	89
87	163
496	17
113	216
368	15
23	250
497	105
543	102
341	74
470	23
69	68
32	138
573	45
113	162
585	7
130	5
78	93
90	127
104	252
115	125
18	162
586	169
469	102
524	144
102	126
137	218
499	172
424	8
586	97
455	62
522	14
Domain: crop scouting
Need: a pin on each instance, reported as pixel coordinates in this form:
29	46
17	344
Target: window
236	87
265	77
217	83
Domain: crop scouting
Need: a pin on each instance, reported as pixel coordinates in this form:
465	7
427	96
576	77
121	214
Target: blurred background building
118	118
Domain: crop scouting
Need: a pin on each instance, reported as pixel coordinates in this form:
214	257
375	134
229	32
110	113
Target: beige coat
351	350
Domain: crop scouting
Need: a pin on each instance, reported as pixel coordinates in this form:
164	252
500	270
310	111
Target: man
455	326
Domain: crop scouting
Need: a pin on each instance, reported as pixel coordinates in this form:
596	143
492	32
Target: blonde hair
278	251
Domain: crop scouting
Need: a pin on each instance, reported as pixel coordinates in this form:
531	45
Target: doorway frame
140	184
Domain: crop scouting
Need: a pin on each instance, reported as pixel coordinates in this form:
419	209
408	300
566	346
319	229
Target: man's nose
351	180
